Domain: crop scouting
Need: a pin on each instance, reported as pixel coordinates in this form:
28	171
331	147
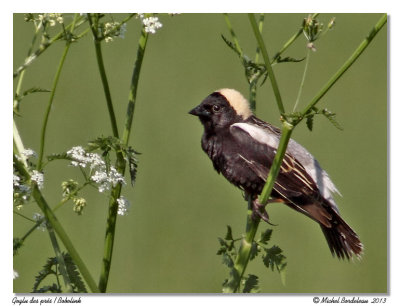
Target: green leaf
30	91
288	59
130	156
332	118
46	271
265	236
251	284
227	260
231	45
234	278
223	248
56	156
76	281
17	243
309	122
51	268
228	235
274	258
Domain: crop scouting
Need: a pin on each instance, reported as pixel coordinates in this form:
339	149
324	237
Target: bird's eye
216	108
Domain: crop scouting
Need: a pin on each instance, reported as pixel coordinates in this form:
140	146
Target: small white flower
123	206
16	180
151	24
107	180
78	155
39	218
27	153
95	160
38	178
15	274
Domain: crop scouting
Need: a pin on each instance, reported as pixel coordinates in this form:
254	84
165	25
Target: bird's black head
221	109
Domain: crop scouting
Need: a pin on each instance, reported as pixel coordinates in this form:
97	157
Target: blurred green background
168	242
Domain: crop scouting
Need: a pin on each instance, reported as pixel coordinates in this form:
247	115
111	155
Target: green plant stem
134	86
120	166
21	76
243	255
302	79
60	258
254	82
25	217
18	144
50	103
265	56
287	130
106	88
361	48
234	37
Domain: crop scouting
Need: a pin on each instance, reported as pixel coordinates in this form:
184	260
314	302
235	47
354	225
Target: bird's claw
260	212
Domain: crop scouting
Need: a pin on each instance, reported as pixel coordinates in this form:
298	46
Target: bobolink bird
242	148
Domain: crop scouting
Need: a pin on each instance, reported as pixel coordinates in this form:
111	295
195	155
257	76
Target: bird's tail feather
342	240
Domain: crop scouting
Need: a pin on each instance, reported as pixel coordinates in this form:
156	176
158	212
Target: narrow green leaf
289	59
310	121
231	45
228	235
76	280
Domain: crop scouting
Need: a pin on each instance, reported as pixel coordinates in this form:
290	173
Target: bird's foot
260	212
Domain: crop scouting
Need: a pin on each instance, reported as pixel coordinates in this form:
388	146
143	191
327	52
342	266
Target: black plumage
242	148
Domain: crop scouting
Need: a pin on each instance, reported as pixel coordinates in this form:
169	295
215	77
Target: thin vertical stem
254	81
267	62
234	37
302	79
134	86
53	92
100	63
121	164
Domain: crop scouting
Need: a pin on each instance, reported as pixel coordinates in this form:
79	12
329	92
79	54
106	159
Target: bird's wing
293	183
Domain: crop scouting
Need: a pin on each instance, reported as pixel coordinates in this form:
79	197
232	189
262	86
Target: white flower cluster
81	158
123	206
39	218
21	192
112	29
51	18
27	153
151	24
38	178
105	179
109	179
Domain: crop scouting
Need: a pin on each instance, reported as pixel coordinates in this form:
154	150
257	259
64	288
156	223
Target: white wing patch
259	134
310	164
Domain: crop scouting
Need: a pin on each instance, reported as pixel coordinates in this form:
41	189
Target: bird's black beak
199	111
